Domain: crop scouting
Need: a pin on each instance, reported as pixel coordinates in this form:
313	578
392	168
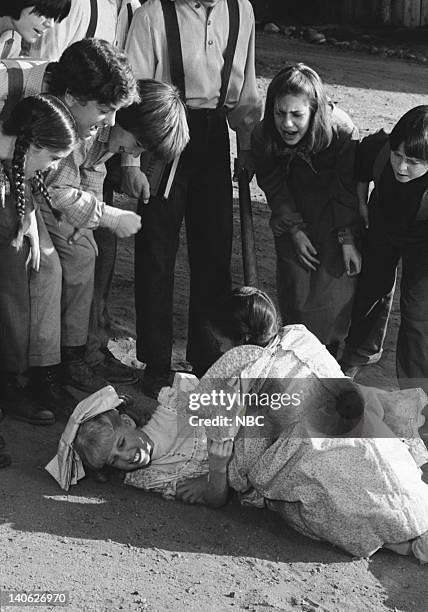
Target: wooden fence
412	13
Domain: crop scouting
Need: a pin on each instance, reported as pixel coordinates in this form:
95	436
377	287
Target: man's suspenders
175	53
90	32
230	49
174	46
159	174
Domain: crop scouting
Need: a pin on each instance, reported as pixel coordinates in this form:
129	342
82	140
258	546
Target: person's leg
209	226
78	265
45	298
97	354
99	323
372	303
412	343
155	253
45	330
15	336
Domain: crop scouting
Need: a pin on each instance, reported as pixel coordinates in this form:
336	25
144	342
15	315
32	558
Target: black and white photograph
214	305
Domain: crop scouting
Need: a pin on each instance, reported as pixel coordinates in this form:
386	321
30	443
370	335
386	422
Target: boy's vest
19	78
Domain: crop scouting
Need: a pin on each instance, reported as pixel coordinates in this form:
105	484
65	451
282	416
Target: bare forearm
216	491
362	192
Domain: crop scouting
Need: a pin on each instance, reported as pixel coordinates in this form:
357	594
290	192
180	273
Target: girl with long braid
39	132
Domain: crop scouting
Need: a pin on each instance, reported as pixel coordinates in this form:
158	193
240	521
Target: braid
38	177
18	185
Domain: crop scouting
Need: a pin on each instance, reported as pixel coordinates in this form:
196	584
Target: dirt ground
114	548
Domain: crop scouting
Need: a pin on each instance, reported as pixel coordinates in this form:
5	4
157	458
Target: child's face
122	141
32	26
407	168
131	449
292	117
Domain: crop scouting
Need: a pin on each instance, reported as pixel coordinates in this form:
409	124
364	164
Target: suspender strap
130	14
15	87
174	46
90	33
233	8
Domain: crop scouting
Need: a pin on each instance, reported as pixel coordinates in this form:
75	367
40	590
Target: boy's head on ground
111	439
157	123
246	316
31	18
409	145
297	111
94	79
342	411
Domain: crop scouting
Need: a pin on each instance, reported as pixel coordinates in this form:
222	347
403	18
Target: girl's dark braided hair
45	122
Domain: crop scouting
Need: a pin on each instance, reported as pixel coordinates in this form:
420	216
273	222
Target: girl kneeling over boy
299	463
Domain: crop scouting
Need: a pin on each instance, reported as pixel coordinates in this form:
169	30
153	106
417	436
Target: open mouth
140	457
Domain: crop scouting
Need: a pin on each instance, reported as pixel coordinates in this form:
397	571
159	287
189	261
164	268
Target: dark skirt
14	308
322	299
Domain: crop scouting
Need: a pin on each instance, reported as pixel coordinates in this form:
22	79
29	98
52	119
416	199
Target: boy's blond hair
158	121
95	437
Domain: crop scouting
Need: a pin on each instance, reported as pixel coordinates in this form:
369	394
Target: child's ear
126	420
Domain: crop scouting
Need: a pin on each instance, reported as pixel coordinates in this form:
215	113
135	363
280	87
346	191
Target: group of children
68	118
334	275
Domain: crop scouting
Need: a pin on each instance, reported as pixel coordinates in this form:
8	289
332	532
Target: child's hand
135	183
219	454
191	491
32	234
129	224
305	250
351	259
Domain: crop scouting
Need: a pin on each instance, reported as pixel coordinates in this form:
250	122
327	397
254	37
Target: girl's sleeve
344	187
271	179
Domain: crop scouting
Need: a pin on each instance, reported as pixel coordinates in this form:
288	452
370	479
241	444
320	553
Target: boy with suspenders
206	48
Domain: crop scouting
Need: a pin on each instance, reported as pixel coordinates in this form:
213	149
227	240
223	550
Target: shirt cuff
130	160
345	236
244	140
110	217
